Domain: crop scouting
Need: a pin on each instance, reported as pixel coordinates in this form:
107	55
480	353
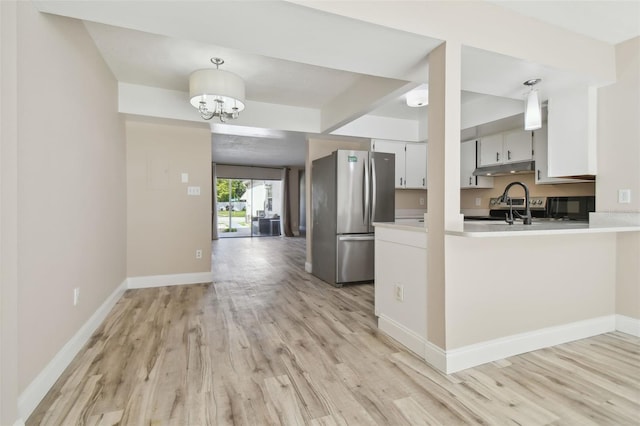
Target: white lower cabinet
401	282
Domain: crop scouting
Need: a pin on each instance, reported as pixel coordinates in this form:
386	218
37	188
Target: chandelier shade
217	93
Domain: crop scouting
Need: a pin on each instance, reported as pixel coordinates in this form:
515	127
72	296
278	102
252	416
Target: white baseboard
436	356
307	267
166	280
493	350
38	388
628	325
402	334
470	356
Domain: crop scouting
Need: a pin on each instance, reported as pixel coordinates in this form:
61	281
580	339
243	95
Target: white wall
71	185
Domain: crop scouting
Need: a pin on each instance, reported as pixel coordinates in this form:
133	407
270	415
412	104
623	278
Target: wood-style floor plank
268	344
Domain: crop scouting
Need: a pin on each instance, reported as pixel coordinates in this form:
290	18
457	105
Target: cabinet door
416	165
397	148
572	118
540	156
517	146
490	150
468	158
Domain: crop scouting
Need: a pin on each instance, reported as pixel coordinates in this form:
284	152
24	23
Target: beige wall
410	198
619	167
443	175
71	185
468	196
8	214
165	226
628	275
535	286
317	148
619	133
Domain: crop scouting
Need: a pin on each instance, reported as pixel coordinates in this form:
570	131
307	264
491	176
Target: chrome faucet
526	217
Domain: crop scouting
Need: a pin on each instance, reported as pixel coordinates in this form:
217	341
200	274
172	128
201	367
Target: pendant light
216	93
532	108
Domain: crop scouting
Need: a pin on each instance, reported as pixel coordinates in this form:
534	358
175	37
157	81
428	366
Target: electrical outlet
399	292
76	296
422	201
184	177
624	196
478	201
198	254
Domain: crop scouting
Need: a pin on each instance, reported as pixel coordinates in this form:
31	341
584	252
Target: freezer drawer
354	258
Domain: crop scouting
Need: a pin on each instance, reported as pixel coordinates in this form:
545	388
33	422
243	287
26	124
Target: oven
537	206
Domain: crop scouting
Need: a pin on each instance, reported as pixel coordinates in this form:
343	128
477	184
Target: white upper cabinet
490	148
468	159
416	165
393	147
540	156
517	146
504	148
411	162
572	118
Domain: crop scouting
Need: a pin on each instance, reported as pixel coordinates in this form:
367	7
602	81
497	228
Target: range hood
506	169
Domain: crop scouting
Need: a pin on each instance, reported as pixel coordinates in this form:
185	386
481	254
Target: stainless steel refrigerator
349	190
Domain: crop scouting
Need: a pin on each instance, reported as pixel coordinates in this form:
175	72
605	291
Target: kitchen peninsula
508	289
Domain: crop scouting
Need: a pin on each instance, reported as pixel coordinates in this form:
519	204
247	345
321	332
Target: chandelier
532	108
216	93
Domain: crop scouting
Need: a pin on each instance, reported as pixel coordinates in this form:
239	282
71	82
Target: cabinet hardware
497	156
508	155
470	180
422	181
400	181
538	174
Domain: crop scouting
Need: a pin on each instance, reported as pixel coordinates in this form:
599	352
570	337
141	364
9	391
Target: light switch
193	190
624	196
184	177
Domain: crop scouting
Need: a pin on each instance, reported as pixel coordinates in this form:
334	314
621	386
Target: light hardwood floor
269	344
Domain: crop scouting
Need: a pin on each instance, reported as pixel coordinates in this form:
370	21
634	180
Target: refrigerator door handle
365	194
363	237
373	190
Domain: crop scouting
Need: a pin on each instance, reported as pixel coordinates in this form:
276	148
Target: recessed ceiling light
418	98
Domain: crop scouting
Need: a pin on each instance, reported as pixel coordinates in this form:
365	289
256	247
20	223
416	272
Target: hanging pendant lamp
532	107
217	93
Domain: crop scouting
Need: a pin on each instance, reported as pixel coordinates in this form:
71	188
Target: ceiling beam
364	96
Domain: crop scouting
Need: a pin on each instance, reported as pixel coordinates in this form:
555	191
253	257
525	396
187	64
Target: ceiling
160	61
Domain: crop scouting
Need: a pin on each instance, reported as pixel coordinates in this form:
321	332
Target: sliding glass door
249	207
